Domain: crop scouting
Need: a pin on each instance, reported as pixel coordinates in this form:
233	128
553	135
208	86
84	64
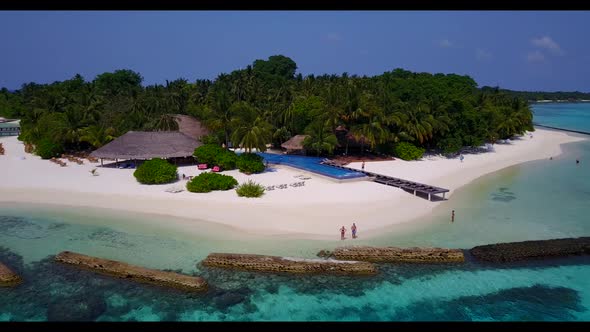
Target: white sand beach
316	210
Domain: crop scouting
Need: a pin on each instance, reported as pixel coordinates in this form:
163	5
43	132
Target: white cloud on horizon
535	56
547	43
483	55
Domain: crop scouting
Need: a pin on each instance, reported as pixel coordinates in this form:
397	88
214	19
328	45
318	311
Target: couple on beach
343	231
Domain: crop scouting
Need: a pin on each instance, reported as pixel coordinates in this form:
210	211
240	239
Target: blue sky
521	50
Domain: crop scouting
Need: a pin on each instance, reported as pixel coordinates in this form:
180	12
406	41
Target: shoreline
315	211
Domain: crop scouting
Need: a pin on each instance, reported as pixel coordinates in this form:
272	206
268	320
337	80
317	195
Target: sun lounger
202	166
175	189
216	169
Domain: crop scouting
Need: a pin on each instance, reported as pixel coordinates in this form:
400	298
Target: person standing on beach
342	232
453	216
363	165
353	229
461	158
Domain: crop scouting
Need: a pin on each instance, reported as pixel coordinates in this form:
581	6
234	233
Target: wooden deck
411	186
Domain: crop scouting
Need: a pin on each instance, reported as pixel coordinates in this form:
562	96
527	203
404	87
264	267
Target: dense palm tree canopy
268	102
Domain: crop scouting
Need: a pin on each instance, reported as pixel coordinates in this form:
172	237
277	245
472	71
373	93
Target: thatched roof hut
190	126
148	145
295	143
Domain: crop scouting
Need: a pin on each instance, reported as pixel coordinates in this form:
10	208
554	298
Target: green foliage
450	145
266	103
320	139
46	149
280	136
250	130
156	171
276	65
227	160
250	189
119	82
207	181
250	163
213	154
542	95
210	139
408	151
208	153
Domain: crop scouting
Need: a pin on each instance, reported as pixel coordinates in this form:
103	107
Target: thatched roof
148	145
295	143
190	126
361	140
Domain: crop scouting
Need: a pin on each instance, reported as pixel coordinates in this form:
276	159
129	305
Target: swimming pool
311	164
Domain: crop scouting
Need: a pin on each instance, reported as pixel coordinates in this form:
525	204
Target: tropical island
438	129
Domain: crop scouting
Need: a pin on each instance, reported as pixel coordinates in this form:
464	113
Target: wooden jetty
277	264
394	254
7	277
415	187
135	273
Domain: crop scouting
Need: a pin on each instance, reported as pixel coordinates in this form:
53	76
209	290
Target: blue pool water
311	164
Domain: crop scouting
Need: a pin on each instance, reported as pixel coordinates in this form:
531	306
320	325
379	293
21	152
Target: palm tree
221	113
166	122
418	123
97	136
372	132
320	138
250	130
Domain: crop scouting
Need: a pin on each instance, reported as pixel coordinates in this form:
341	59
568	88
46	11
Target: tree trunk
346	150
226	140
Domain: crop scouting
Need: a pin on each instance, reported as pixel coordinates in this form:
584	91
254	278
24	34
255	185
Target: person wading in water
342	232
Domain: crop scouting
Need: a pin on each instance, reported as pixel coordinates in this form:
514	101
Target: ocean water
573	116
537	200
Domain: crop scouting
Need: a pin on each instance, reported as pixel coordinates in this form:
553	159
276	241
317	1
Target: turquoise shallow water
573	116
537	200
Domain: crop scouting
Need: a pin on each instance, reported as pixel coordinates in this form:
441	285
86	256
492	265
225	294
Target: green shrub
156	171
206	182
450	144
213	154
46	149
227	160
408	151
250	163
250	189
207	154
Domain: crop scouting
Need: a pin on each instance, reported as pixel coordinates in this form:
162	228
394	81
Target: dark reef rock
394	254
277	264
76	308
7	277
131	272
518	251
